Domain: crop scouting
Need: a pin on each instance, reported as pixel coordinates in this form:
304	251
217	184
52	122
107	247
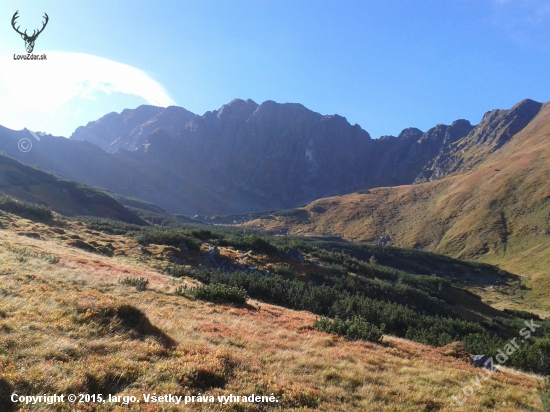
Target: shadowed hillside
62	196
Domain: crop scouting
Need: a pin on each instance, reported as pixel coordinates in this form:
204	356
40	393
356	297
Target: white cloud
67	87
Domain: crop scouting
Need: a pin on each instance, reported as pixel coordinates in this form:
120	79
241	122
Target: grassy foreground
69	325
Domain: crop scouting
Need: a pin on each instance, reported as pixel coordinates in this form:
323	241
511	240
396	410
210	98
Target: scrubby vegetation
25	209
113	226
348	303
346	298
355	328
219	293
409	292
22	255
169	237
522	314
139	283
76	327
544	392
414	306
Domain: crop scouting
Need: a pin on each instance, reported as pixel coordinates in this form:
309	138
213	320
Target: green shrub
522	314
544	393
22	254
218	293
114	226
25	209
355	328
169	237
284	271
297	213
469	292
139	283
538	356
51	259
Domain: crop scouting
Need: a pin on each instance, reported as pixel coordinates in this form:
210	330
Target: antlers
34	34
43	25
15	16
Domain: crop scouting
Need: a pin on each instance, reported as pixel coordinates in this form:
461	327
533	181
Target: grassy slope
63	196
59	334
497	213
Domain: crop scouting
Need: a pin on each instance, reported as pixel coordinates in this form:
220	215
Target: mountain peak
236	105
410	133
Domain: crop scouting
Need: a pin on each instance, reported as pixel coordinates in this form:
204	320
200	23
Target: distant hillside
131	128
62	196
498	211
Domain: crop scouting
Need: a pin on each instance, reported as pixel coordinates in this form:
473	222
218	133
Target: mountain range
483	197
249	157
463	190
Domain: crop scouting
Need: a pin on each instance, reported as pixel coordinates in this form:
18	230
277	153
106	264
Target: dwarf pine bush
20	208
139	283
218	293
544	393
355	328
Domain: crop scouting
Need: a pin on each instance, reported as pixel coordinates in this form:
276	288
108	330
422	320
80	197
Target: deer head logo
29	40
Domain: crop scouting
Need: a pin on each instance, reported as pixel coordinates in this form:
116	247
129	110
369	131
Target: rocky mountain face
495	129
498	210
131	128
248	156
269	155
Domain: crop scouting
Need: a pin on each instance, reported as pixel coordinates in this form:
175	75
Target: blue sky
385	64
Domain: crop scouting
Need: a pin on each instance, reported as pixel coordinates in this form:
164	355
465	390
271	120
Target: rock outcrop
495	129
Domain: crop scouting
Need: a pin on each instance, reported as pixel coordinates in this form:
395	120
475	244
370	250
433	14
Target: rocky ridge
249	157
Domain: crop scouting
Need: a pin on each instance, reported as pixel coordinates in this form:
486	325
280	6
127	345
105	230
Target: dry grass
71	327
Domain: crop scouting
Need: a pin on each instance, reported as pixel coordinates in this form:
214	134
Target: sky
384	64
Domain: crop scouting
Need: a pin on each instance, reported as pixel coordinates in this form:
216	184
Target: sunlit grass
73	326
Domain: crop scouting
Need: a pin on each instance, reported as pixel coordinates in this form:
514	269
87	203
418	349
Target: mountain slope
131	128
498	211
243	157
63	196
75	327
495	129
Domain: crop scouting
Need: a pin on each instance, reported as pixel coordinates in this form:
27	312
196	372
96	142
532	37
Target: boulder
212	254
482	361
176	260
383	240
295	255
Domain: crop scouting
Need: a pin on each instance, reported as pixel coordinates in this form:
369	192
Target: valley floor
70	326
